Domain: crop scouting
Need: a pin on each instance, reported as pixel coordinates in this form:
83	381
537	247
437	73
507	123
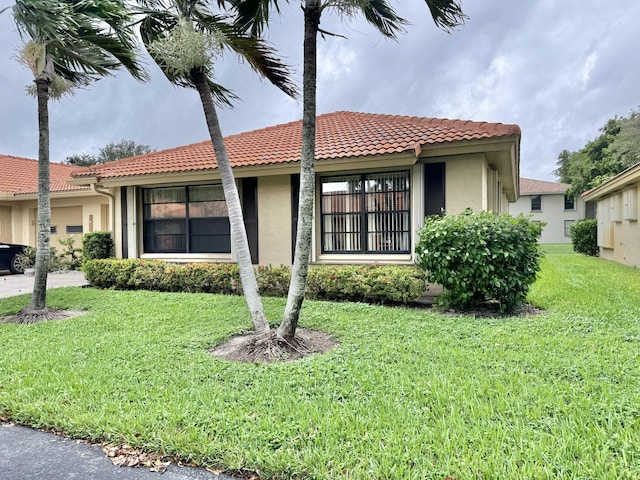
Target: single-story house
617	214
378	176
74	209
549	203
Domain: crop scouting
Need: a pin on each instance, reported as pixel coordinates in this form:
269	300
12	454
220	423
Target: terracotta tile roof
338	135
532	187
19	176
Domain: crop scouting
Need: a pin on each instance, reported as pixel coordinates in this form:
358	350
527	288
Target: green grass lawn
407	394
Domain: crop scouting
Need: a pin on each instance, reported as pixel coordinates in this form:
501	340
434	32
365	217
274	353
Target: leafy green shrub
97	245
360	283
377	284
142	274
148	275
223	278
273	281
584	237
480	257
111	272
71	256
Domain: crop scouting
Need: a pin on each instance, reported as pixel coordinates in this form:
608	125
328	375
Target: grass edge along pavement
407	394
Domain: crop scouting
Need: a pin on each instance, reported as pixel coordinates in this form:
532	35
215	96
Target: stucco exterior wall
552	213
618	227
465	183
6	227
274	220
86	211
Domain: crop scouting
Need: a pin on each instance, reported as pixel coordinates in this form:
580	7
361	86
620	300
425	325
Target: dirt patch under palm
252	348
28	318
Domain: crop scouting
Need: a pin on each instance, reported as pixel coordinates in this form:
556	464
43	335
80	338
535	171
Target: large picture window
190	219
366	213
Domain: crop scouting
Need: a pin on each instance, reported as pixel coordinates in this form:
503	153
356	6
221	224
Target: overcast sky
557	68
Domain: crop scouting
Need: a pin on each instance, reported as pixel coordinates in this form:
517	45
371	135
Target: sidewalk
11	285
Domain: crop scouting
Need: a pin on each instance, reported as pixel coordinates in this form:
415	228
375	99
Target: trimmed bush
97	245
480	257
273	281
111	272
584	237
378	284
360	283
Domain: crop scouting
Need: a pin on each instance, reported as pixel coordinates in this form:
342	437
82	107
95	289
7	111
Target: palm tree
254	15
184	37
70	44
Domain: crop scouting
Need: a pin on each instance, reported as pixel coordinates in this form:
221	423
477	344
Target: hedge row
378	284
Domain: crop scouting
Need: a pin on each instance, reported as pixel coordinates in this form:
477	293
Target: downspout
112	213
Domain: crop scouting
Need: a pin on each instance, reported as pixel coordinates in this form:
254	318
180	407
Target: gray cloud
557	69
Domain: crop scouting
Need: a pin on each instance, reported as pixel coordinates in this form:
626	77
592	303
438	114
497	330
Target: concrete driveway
11	285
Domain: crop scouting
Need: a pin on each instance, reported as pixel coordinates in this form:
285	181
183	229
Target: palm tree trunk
295	297
238	231
39	295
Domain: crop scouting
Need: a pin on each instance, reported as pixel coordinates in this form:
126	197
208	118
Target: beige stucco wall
6	227
87	211
552	213
618	231
274	220
465	178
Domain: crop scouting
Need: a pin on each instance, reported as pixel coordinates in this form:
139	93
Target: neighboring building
74	209
617	214
378	176
548	202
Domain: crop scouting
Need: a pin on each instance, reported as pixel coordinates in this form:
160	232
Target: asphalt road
27	454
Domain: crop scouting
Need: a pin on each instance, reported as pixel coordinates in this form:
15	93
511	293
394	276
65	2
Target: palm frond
257	52
383	17
252	15
158	25
84	39
447	14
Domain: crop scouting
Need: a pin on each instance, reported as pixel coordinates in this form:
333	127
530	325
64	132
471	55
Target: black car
11	257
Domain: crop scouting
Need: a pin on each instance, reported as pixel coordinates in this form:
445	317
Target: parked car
11	257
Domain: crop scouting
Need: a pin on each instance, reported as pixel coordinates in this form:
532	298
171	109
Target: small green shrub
378	284
480	257
222	278
111	272
584	237
97	245
71	256
273	281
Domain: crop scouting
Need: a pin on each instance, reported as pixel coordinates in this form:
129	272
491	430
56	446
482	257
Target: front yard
406	394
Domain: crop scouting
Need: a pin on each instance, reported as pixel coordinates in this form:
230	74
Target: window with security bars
366	213
191	219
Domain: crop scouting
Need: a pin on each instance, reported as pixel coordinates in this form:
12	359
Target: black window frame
74	229
538	202
569	200
363	216
190	227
